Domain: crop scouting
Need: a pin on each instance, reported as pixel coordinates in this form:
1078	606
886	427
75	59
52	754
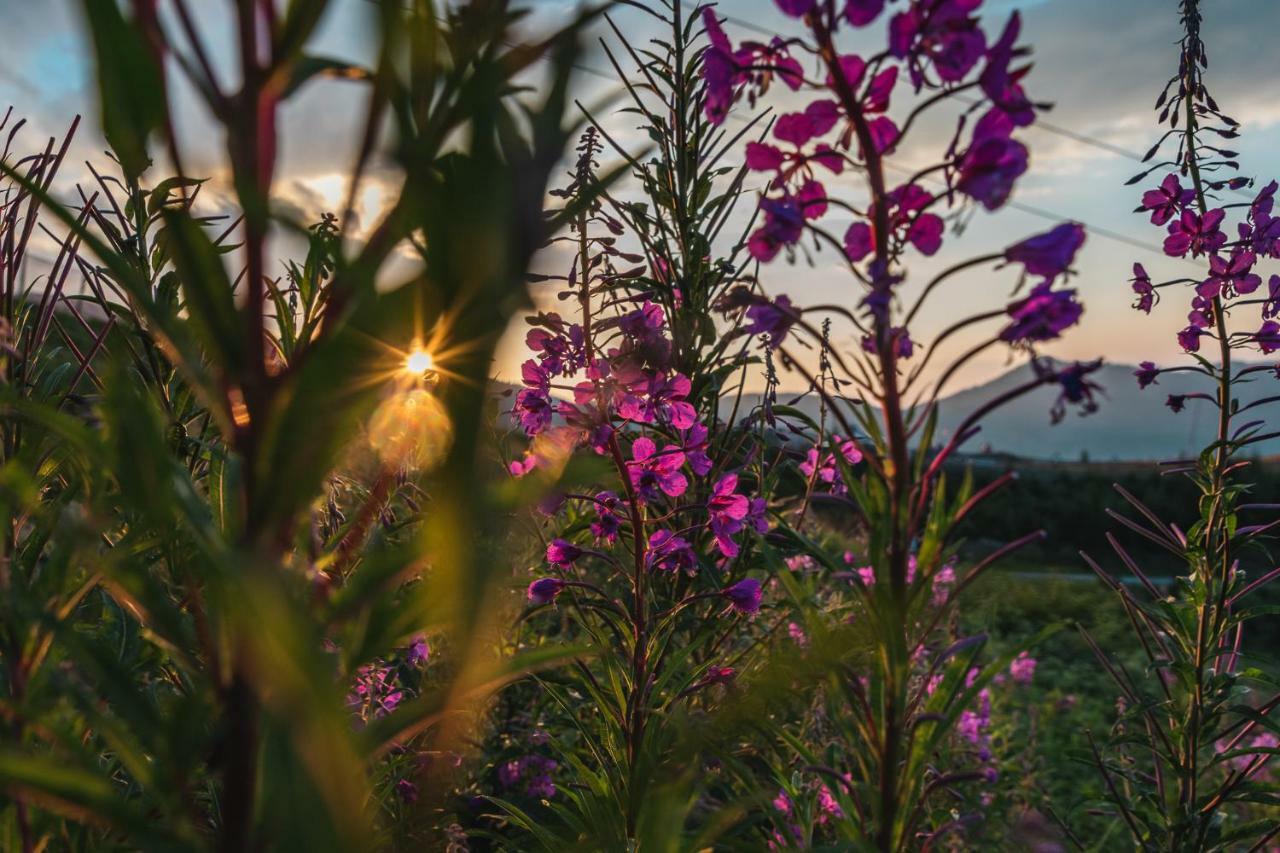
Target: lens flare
411	430
419	362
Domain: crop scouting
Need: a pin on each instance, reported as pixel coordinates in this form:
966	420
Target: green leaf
207	289
130	84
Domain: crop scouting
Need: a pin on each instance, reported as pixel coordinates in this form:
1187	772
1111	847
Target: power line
1041	212
1047	127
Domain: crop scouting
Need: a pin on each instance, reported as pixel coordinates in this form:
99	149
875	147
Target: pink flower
795	8
817	120
653	473
1230	277
1023	668
670	552
562	554
727	511
1194	233
1167	200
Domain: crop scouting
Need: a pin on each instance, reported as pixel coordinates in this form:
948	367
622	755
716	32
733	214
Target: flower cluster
1231	276
630	406
530	774
378	687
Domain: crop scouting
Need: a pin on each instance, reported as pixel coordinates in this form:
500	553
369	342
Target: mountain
1130	424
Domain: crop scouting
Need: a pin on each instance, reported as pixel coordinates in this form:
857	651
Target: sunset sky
1101	62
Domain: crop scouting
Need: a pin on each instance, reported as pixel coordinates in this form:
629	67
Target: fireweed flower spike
857	114
1186	780
646	369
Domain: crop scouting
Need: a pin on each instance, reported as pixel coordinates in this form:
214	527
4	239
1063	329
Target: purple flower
783	226
655	397
1001	85
545	590
533	404
991	166
757	515
859	13
727	511
763	157
858	241
1230	277
1042	316
1147	373
694	443
562	554
1194	233
795	8
771	319
1268	337
1074	387
670	552
1272	307
903	346
1189	340
1176	402
653	474
1142	287
720	71
607	524
534	770
419	651
1048	254
941	32
1167	200
744	596
725	70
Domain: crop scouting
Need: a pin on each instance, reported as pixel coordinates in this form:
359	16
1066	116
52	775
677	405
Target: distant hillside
1129	425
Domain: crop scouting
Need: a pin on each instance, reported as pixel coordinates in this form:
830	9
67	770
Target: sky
1101	63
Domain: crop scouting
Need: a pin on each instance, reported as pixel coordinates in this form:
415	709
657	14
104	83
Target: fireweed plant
1189	766
653	563
895	707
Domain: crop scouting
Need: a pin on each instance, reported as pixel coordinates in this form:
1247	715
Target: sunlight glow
419	362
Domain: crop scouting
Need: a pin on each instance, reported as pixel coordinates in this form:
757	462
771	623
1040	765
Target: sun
419	362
